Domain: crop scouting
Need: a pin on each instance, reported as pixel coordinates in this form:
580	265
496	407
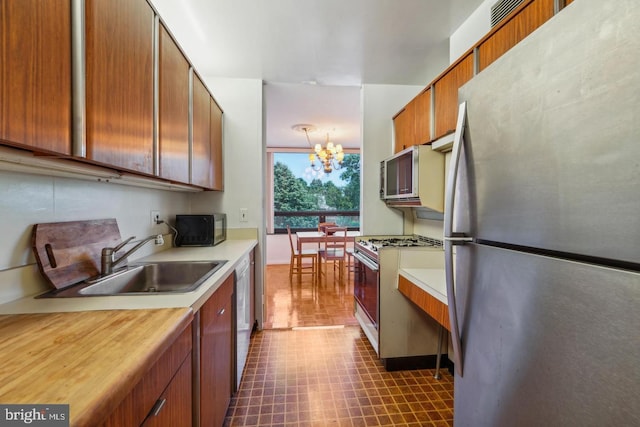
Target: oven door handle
370	265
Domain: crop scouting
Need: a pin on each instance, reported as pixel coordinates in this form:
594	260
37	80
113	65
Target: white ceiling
331	109
314	54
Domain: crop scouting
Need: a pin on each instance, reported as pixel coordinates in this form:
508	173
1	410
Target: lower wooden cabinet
174	406
163	397
216	369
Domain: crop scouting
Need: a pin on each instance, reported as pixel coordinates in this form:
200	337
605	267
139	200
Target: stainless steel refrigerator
542	227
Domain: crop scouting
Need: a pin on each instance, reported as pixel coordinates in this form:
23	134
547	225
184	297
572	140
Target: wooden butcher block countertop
89	360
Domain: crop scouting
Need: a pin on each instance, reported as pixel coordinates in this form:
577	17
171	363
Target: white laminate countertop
231	250
430	280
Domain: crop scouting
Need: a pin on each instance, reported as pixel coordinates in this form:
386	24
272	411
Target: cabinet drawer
133	410
173	407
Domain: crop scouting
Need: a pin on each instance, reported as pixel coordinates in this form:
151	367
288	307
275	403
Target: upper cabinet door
403	126
446	95
513	31
119	83
216	146
423	117
201	166
173	126
35	74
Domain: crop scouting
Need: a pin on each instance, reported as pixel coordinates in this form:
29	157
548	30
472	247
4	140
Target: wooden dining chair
350	264
334	250
323	225
296	264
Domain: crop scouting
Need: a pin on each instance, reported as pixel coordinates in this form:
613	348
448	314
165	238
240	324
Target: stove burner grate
405	242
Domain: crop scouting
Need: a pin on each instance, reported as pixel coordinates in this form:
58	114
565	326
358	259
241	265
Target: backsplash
428	228
30	199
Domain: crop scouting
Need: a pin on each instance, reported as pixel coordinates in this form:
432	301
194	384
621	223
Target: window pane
300	189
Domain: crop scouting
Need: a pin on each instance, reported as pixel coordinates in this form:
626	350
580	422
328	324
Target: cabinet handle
221	312
158	407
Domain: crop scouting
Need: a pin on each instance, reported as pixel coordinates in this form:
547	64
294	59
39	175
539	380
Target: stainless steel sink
145	278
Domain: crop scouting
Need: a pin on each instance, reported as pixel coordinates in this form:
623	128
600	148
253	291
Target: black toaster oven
201	230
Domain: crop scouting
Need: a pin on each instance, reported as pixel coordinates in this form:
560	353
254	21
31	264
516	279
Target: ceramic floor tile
325	372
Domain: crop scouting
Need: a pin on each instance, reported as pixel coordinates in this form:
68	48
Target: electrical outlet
155	217
244	213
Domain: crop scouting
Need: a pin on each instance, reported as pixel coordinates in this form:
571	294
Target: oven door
366	286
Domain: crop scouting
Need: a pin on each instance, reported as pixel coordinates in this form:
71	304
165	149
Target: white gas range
403	335
371	245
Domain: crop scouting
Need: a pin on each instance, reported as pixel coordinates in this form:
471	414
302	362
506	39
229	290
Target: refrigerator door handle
452	179
451	238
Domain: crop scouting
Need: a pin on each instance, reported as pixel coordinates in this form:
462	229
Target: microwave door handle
451	238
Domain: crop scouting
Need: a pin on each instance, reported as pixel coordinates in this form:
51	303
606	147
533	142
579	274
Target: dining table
319	236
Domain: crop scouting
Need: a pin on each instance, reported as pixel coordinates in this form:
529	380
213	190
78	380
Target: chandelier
330	157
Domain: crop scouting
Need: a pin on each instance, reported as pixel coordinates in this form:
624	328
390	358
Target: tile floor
313	372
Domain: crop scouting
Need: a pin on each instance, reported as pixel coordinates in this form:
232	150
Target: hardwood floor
290	304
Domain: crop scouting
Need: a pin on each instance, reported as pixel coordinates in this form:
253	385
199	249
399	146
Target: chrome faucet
108	260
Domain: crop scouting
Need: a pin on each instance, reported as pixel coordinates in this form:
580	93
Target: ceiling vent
502	9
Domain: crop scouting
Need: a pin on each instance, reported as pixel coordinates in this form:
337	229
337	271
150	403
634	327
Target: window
303	197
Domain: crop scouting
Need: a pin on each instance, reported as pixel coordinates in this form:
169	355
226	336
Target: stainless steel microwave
413	177
201	230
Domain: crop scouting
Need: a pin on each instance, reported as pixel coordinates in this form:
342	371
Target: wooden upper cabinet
412	125
422	117
511	32
173	110
446	95
567	2
35	74
403	126
216	146
201	170
119	83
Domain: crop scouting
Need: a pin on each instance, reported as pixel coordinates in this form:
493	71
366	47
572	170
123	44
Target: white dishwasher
243	307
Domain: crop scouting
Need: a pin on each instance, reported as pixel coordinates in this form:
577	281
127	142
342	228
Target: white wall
241	101
379	104
473	29
436	63
278	249
27	199
244	159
